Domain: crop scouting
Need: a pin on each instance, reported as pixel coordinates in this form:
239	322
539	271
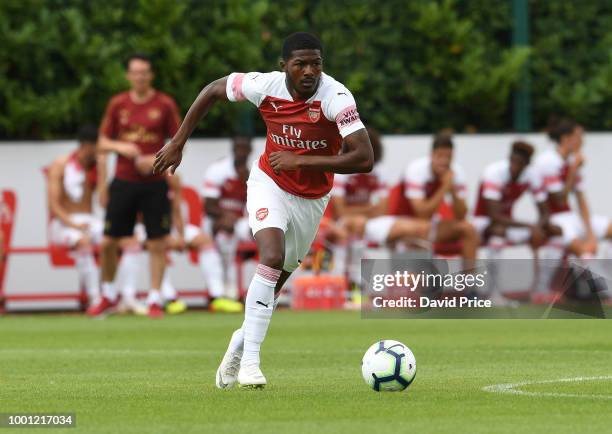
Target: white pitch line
510	388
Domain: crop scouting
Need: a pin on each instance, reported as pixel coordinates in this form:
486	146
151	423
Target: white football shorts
269	206
67	236
573	228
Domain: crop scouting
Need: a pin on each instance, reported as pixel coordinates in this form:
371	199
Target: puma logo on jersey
342	93
275	106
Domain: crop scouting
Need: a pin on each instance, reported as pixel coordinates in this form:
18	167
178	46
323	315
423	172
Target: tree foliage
413	66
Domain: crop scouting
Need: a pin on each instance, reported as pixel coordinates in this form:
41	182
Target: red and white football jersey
309	127
420	182
496	184
221	181
553	171
361	188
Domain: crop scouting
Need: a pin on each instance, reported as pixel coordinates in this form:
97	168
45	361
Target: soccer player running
136	124
308	114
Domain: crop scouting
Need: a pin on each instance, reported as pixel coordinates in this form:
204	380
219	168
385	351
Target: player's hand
447	180
284	160
590	245
83	227
128	150
168	157
179	243
578	159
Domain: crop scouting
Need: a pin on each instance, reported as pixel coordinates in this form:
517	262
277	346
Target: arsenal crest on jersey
314	114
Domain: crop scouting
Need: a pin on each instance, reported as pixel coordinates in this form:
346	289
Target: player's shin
168	291
258	312
340	255
212	270
127	274
88	273
237	340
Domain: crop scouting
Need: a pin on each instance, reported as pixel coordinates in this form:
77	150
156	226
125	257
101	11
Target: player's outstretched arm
169	157
356	157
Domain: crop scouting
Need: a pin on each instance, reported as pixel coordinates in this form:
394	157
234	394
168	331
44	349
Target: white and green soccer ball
388	366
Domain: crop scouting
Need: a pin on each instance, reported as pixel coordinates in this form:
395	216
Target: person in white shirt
561	171
428	183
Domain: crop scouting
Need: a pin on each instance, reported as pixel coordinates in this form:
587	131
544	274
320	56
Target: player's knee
84	243
108	244
157	246
273	259
496	230
468	231
201	241
420	229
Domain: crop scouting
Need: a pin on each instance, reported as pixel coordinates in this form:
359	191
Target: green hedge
414	66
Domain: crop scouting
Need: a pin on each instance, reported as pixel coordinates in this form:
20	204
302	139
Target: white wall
21	164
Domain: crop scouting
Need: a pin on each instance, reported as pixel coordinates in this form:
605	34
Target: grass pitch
133	375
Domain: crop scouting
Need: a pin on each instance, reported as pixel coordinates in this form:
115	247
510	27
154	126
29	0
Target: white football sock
258	309
168	291
212	269
340	254
227	244
357	253
154	297
495	245
549	256
89	274
237	340
127	274
109	291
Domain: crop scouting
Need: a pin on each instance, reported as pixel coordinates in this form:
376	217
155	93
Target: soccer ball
388	366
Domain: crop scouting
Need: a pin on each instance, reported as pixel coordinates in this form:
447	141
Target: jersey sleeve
550	176
414	182
491	185
342	109
213	181
109	125
536	186
246	86
459	182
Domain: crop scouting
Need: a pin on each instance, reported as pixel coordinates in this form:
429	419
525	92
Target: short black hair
560	126
139	56
300	41
523	149
443	139
87	134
